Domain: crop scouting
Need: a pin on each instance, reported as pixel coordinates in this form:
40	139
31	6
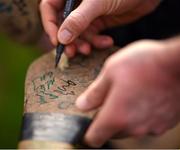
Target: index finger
49	14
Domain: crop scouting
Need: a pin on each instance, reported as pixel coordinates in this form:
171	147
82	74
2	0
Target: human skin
138	88
80	31
137	91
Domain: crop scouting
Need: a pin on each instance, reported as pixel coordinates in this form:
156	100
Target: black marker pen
60	48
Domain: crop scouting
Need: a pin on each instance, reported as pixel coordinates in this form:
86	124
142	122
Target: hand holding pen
75	32
80	31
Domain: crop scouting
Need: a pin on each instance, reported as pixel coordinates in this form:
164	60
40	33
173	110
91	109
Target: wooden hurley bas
51	119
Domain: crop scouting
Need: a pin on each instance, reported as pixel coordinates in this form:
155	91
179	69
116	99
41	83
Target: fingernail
82	103
65	36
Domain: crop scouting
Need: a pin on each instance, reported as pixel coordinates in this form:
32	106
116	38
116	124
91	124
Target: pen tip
56	63
59	51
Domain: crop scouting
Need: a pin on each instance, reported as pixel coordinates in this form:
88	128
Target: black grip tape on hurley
55	127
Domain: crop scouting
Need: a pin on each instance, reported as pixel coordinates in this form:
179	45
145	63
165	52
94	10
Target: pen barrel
67	10
68	7
59	49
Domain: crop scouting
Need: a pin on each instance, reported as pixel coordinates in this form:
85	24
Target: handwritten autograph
45	88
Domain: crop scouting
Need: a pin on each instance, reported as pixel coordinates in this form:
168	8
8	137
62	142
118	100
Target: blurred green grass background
14	61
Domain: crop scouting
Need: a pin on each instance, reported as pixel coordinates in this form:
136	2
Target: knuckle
113	6
109	67
77	21
41	5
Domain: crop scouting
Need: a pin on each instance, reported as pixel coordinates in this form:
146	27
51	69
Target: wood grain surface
51	90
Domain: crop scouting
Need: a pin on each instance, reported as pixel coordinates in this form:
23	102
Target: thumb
79	20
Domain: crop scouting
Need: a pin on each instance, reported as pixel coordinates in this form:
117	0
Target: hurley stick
50	118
